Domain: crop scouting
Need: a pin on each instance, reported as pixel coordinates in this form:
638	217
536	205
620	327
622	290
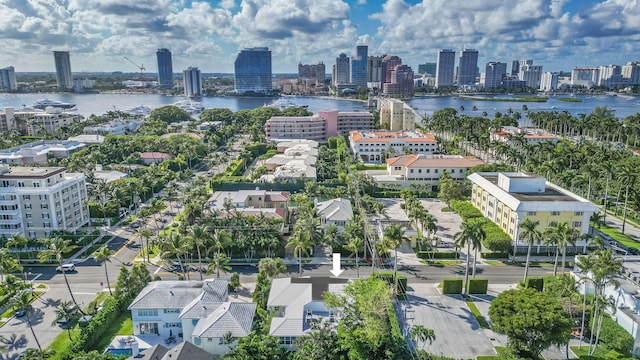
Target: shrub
452	286
437	254
465	209
536	283
478	286
494	255
500	245
615	336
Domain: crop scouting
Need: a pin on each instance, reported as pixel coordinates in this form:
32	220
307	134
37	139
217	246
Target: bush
437	254
615	336
452	286
465	209
536	283
478	286
388	278
494	255
500	245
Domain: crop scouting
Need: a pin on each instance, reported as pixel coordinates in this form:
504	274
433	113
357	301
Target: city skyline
558	34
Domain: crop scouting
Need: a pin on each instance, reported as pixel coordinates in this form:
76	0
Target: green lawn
601	353
62	342
441	262
120	325
127	327
620	237
476	313
495	262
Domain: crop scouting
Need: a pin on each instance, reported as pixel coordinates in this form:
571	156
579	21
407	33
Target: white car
66	268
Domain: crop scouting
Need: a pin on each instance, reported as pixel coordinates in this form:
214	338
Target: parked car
20	313
66	268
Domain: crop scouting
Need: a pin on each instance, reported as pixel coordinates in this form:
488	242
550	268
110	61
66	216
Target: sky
558	34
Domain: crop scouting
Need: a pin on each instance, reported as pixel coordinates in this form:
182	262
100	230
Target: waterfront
100	103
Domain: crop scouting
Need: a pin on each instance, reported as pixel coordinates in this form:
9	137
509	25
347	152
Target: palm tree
146	234
301	243
37	354
57	248
7	263
627	178
18	242
394	235
596	220
606	268
22	300
220	239
530	234
199	236
354	245
421	334
175	245
68	313
585	265
220	262
471	235
272	267
104	255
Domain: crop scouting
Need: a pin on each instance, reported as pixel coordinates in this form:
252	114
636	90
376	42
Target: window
28	215
531	213
577	224
45	215
44	206
36	184
172	325
43	197
27	206
555	213
20	183
26	197
5	183
579	213
148	312
171	311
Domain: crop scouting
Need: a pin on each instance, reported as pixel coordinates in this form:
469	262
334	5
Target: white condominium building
375	147
35	201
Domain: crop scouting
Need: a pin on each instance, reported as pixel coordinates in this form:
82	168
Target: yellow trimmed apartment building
508	198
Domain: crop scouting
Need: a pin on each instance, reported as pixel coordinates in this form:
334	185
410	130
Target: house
197	312
423	169
182	351
298	305
508	198
514	136
149	158
107	175
114	127
251	202
39	152
335	211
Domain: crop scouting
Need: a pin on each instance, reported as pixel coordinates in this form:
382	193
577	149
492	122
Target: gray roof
187	351
335	210
155	352
214	293
178	294
234	317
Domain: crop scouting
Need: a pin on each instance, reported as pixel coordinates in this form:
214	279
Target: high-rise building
586	77
63	70
610	76
8	79
253	71
445	67
315	73
531	75
165	68
389	63
494	72
521	66
192	82
549	81
515	68
427	68
631	73
359	66
341	70
401	81
468	67
374	72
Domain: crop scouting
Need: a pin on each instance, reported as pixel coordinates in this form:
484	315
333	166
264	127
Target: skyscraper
314	72
389	63
8	79
549	81
341	70
192	82
359	66
468	67
515	68
165	68
494	72
445	67
427	68
374	72
253	71
530	74
63	70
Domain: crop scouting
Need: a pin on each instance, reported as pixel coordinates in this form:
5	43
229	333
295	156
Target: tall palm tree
18	242
220	262
530	234
471	235
56	249
68	313
354	245
606	268
146	234
175	246
199	236
8	263
596	221
627	178
272	267
301	243
104	255
220	239
22	300
585	265
394	235
421	334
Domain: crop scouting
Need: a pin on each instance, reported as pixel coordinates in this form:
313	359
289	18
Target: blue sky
558	34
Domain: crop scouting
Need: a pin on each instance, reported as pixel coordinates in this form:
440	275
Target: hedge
494	255
388	278
535	282
437	254
452	286
615	336
465	209
478	286
92	333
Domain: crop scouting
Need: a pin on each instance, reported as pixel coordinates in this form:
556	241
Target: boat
139	111
285	103
192	107
44	103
